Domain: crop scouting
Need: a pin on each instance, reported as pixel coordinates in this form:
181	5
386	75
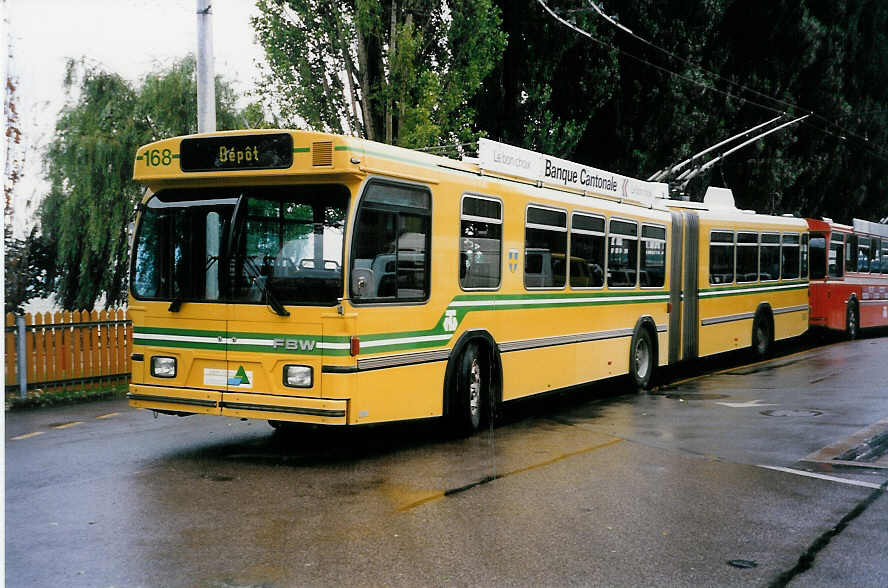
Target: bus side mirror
361	282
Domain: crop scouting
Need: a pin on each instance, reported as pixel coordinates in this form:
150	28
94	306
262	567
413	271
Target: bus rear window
818	256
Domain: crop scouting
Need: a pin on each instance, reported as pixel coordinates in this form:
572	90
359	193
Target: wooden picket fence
70	350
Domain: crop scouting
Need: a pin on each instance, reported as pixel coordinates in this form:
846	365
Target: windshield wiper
265	283
176	304
272	301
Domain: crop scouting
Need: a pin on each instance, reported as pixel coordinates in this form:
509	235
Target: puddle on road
695	396
765	367
787	412
217	478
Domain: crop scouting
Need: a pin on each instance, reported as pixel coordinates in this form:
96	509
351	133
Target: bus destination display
273	151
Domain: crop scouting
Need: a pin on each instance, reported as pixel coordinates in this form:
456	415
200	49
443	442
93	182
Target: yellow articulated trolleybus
305	277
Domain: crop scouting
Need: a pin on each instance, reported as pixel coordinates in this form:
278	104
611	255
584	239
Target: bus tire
642	359
471	391
852	321
762	334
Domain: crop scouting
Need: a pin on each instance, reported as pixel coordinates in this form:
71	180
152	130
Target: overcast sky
130	37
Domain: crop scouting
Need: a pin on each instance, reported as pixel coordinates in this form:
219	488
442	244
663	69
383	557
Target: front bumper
297	409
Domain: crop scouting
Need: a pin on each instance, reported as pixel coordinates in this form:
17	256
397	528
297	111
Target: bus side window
836	254
586	251
863	254
747	257
885	256
480	243
545	246
805	256
769	257
876	256
851	254
391	245
622	254
789	257
653	257
721	257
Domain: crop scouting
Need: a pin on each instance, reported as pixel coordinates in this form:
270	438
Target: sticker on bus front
239	378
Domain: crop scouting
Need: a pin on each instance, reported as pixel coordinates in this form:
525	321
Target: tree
24	259
89	165
549	81
398	71
613	104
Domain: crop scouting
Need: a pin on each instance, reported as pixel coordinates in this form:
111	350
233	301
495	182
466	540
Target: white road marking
27	436
822	477
750	404
68	425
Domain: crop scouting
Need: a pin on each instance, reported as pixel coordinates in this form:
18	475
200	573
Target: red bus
848	289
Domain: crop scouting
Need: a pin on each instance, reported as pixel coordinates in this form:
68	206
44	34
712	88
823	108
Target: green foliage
39	398
398	71
29	269
558	92
89	164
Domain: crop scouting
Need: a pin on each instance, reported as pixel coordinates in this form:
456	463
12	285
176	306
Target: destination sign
267	151
550	170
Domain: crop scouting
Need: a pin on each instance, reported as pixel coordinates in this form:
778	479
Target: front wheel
852	322
470	393
642	359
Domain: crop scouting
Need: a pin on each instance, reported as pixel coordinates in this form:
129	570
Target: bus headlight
163	367
298	376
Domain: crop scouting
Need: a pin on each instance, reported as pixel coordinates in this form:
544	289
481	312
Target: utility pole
206	75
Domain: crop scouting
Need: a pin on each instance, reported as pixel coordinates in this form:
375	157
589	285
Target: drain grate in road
786	412
870	450
867	448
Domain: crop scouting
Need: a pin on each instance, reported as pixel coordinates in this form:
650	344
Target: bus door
285	276
175	279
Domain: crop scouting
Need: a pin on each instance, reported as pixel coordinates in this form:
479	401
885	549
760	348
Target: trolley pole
206	75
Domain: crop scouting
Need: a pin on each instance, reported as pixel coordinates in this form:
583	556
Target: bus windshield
286	245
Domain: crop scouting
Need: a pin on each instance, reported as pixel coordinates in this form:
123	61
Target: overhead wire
741	86
650	64
865	144
691	63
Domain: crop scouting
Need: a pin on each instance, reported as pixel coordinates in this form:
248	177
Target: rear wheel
642	359
470	393
852	321
762	335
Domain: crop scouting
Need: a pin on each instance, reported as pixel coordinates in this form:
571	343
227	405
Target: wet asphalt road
599	487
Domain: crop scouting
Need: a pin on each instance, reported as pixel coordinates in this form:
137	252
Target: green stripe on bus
179	344
180	332
745	290
563	296
758	286
513	301
301	149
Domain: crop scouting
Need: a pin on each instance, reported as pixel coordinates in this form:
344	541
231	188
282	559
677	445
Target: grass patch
39	398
